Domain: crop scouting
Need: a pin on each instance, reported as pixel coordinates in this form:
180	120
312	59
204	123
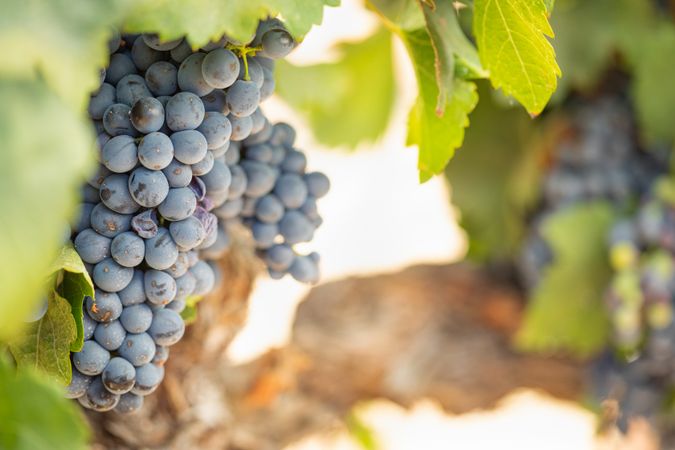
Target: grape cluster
177	133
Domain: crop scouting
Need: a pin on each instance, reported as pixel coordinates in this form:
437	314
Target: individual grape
204	278
120	154
155	151
257	121
318	184
92	359
190	146
219	247
295	227
104	307
89	325
216	129
181	51
144	56
277	43
78	384
261	136
282	134
187	233
101	100
204	166
243	98
263	153
98	397
117	121
110	335
295	162
180	267
128	249
129	403
304	269
178	174
212	45
220	68
268	86
218	179
255	73
130	89
154	42
264	234
291	190
136	318
110	276
148	187
177	306
134	293
109	223
161	78
161	356
138	349
260	178
120	66
185	286
238	183
90	196
91	246
160	287
269	209
116	196
161	251
147	115
119	376
190	76
233	154
184	111
241	127
148	377
215	102
248	208
279	257
167	327
230	209
145	224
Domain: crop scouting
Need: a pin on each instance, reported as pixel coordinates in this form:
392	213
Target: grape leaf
46	154
189	314
202	20
436	136
347	101
75	285
567	312
63	40
512	44
35	415
45	344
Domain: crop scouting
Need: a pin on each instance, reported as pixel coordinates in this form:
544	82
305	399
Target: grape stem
244	52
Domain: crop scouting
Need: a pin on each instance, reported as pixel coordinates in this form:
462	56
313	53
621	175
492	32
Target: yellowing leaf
511	38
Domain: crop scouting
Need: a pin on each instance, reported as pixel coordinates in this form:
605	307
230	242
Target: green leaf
348	101
436	136
486	176
75	285
44	345
361	432
62	40
567	311
511	38
35	415
202	20
189	314
46	154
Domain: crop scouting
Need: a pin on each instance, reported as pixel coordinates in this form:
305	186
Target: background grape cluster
185	153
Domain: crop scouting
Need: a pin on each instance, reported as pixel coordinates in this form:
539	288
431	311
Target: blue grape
167	327
187	233
261	136
91	246
255	72
243	98
117	120
189	146
219	247
184	111
92	359
134	293
180	267
120	154
216	129
185	286
130	89
178	174
78	384
279	257
160	287
144	56
220	68
138	349
233	154
161	251
263	153
204	278
101	100
110	335
260	178
269	209
148	187
295	227
282	134
204	166
190	78
304	269
248	208
295	162
230	209
237	183
264	234
155	151
89	325
161	355
148	377
241	127
277	44
120	66
180	52
38	312
110	276
291	190
89	195
222	42
268	86
161	78
136	318
147	115
116	196
216	102
154	42
129	403
318	184
128	249
105	307
177	305
98	398
257	121
119	376
109	223
218	179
